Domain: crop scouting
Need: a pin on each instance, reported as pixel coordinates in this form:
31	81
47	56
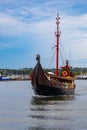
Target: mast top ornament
57	33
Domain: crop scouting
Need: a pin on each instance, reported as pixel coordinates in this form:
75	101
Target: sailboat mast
57	33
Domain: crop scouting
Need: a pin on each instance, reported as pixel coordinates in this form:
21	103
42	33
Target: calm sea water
20	109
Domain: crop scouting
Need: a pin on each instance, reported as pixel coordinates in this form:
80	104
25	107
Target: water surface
20	109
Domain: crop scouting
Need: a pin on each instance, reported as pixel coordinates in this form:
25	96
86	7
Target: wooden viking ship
49	84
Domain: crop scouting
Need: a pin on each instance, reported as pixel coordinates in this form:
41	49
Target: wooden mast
57	33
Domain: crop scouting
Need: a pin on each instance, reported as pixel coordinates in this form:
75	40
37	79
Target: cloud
32	24
73	34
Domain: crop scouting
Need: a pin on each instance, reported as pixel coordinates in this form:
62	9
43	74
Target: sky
27	28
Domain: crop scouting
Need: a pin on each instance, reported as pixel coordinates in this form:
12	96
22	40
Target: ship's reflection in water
42	100
51	113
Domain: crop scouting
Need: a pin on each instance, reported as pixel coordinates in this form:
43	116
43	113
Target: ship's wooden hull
51	91
42	85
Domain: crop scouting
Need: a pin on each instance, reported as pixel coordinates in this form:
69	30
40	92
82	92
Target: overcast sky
27	28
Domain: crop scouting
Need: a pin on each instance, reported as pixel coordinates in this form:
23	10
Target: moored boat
48	84
4	78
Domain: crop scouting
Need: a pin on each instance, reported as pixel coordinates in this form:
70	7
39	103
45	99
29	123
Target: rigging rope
61	57
49	59
52	58
62	51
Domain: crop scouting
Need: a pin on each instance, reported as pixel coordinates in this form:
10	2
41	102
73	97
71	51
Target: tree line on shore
28	71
